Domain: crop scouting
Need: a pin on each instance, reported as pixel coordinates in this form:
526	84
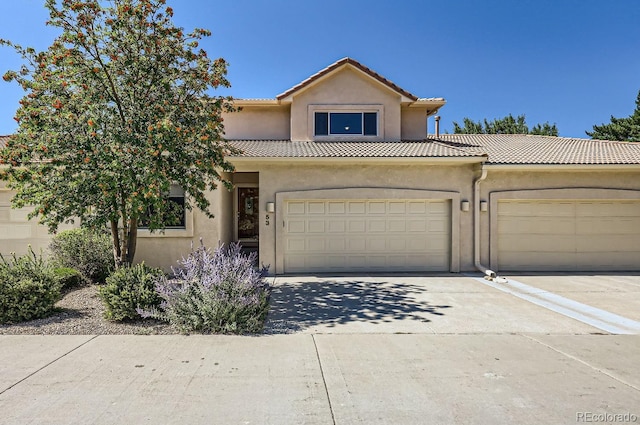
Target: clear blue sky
570	62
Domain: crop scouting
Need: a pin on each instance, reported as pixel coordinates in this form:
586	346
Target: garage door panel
602	226
377	244
397	207
295	226
537	243
315	208
368	235
357	226
416	226
541	235
336	226
417	207
377	226
621	244
397	226
357	207
439	226
337	207
438	208
295	208
544	225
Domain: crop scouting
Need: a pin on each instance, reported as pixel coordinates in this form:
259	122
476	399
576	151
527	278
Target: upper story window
346	123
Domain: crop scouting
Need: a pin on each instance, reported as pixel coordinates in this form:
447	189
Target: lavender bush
214	291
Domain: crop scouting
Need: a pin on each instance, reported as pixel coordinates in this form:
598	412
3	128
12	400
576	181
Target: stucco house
339	175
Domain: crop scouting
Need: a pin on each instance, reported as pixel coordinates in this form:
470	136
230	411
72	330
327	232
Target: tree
624	129
117	109
506	125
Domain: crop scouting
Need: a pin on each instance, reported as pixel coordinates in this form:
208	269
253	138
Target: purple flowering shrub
216	291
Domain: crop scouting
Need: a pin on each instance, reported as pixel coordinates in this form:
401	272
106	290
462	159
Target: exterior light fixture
271	207
464	206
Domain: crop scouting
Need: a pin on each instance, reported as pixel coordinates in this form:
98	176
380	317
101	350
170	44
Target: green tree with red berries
116	110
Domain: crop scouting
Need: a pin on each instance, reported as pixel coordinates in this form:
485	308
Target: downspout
488	274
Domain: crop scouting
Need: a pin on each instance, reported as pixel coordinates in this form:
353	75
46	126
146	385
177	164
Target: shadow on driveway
297	306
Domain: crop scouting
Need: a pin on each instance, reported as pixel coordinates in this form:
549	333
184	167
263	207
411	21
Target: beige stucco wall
414	124
347	87
253	122
536	183
164	250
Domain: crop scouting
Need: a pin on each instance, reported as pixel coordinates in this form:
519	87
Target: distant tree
623	129
117	110
506	125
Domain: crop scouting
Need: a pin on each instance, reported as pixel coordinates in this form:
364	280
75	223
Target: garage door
366	235
16	232
575	235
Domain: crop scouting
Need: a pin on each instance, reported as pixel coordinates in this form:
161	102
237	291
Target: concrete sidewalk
318	379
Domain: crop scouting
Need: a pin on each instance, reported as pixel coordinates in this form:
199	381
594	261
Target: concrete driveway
449	349
455	304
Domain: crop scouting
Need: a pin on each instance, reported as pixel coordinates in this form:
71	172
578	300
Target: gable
341	65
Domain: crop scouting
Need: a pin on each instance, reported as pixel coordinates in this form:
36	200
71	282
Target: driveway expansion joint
324	381
579	360
48	364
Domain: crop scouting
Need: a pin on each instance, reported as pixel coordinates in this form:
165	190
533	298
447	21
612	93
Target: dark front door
248	215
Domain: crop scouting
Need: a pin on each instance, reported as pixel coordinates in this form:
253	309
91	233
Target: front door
247	215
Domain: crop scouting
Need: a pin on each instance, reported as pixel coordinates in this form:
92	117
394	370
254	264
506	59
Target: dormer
345	101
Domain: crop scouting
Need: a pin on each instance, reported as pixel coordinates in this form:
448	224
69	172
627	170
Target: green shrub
28	288
84	250
219	292
129	288
67	277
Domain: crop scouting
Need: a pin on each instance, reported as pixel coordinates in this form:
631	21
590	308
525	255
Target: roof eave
562	167
394	160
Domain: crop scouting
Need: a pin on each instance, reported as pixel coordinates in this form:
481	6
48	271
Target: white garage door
366	235
16	232
574	235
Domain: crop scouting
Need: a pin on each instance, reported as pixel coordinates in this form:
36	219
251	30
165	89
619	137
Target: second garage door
366	235
573	235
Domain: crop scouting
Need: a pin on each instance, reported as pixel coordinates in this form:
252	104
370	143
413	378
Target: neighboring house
338	175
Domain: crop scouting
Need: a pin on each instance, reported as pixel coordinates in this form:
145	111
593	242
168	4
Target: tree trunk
115	241
132	240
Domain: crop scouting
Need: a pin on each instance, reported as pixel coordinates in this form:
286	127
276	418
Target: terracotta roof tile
531	149
407	149
3	141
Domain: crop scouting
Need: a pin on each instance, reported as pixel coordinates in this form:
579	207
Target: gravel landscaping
80	312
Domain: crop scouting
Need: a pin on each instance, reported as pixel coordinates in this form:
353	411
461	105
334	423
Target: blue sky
570	62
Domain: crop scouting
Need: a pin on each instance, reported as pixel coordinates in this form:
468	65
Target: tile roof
499	148
406	149
3	141
337	65
531	149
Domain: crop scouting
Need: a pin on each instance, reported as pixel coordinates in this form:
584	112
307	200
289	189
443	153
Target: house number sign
267	220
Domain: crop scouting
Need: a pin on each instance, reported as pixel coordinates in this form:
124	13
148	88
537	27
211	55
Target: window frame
341	109
173	231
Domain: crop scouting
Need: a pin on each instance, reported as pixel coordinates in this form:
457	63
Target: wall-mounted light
271	207
484	206
464	206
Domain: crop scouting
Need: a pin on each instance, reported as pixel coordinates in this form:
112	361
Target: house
339	175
